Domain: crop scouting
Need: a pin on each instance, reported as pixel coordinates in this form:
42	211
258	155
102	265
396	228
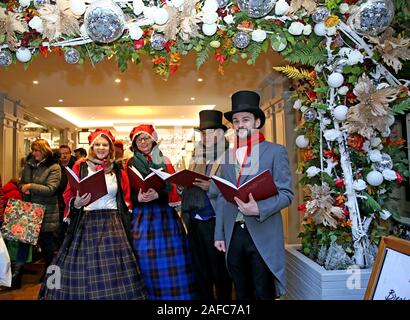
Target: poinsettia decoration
392	49
372	111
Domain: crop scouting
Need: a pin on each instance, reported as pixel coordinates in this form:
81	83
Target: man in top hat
251	233
198	211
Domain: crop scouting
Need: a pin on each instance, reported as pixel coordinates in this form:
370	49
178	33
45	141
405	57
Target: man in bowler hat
251	233
198	205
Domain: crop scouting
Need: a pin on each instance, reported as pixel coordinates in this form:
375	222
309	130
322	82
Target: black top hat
246	101
210	119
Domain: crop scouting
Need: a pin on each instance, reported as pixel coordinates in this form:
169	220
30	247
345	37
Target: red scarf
255	138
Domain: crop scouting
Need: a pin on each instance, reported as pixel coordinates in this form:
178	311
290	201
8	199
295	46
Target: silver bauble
256	8
38	3
72	56
385	163
320	14
241	40
371	17
158	41
5	58
222	3
104	21
310	115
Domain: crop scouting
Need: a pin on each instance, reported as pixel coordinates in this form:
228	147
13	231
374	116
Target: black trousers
208	263
251	276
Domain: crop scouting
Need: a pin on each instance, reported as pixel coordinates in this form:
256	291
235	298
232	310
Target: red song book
93	183
261	187
150	181
183	178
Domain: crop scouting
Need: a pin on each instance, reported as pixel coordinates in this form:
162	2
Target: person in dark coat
39	183
198	210
96	260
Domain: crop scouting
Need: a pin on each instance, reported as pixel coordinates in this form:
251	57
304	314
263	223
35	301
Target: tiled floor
30	284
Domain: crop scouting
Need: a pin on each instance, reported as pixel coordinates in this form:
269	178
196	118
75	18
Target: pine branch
255	50
203	55
371	203
401	108
292	72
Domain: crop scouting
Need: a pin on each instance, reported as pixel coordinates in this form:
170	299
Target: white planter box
306	280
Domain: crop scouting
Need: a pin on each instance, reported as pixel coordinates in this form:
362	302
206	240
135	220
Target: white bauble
177	3
258	35
138	6
83	31
210	6
77	7
386	133
390	120
281	8
23	55
302	141
335	80
210	17
135	31
374	178
160	16
320	29
36	23
209	29
24	3
340	112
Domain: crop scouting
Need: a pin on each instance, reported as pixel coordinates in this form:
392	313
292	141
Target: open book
261	187
183	178
93	183
150	181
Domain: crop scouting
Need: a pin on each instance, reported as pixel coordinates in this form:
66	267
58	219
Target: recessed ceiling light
117	80
92	118
182	117
200	80
192	98
60	100
126	99
35	82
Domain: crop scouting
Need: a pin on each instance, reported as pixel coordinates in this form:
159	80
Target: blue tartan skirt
98	265
162	249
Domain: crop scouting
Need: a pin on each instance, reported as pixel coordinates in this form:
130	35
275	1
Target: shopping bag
5	265
22	221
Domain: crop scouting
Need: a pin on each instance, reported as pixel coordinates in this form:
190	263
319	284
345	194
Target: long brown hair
111	154
43	146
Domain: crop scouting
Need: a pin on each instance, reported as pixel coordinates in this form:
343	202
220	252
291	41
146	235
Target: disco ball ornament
158	41
222	3
5	58
104	21
256	8
38	3
310	115
385	163
241	40
371	17
278	43
320	14
72	56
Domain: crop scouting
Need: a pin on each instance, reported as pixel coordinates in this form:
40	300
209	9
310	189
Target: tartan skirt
162	249
98	265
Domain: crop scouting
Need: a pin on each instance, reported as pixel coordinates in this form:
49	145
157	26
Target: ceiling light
117	80
60	100
92	118
200	80
126	99
192	98
35	82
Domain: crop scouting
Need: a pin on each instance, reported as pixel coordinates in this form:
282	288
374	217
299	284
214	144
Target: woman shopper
39	183
159	236
96	260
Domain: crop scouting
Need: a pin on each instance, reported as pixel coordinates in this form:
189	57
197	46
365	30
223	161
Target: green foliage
332	4
371	203
401	107
306	52
254	50
203	55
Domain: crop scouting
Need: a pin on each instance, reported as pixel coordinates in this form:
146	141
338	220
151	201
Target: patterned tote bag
22	221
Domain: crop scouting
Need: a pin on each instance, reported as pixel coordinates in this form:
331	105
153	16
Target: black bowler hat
210	119
246	101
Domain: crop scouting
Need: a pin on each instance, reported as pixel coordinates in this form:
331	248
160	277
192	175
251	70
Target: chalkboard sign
390	278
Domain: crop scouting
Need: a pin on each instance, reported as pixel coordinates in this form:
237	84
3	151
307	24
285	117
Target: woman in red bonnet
96	260
159	236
